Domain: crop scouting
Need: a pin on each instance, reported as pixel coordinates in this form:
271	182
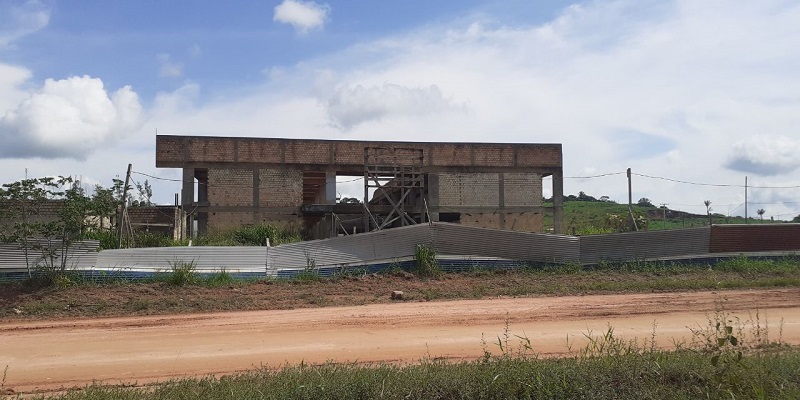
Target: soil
25	302
47	355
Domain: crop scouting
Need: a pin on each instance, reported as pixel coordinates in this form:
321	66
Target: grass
729	359
255	235
182	290
592	217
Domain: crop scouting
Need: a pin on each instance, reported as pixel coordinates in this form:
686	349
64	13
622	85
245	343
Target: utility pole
745	201
664	210
630	202
124	206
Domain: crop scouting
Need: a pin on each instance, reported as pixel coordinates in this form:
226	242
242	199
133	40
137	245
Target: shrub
426	263
182	273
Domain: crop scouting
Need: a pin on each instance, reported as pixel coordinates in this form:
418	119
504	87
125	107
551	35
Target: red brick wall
230	187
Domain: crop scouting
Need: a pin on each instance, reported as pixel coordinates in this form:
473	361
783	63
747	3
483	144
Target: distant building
229	182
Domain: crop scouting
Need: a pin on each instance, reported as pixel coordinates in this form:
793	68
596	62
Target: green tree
46	238
645	202
760	213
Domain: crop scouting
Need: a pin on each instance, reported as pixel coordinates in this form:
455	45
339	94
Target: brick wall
522	189
230	187
280	187
523	222
464	189
176	151
211	149
223	220
538	156
259	151
451	154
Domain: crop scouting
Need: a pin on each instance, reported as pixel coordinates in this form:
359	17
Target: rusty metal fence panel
631	246
755	237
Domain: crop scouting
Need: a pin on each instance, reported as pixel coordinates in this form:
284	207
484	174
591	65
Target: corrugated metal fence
644	245
458	247
43	252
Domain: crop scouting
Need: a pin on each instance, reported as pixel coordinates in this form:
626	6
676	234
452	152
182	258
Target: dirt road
47	355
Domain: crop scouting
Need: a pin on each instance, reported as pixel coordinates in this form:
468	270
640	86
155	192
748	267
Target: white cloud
68	118
352	106
169	68
302	15
11	79
673	89
20	19
765	155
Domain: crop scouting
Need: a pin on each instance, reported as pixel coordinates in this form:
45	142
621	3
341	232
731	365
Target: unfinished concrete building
230	182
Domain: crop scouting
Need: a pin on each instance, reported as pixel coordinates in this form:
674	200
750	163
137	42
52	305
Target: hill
589	216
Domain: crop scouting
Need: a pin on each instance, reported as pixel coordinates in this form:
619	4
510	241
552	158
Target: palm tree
708	210
760	213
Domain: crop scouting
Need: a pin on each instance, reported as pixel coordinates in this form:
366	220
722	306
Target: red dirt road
47	355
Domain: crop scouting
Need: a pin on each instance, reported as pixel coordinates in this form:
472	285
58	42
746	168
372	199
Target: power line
714	184
594	176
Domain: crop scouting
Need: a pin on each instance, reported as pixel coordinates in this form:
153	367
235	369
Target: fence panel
632	246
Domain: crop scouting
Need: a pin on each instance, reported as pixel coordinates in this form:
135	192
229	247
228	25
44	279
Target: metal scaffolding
396	175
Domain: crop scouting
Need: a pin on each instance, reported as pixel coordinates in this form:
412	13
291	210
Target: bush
182	273
426	263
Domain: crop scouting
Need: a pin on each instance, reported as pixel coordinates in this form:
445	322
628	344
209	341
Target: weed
139	304
181	273
220	278
426	263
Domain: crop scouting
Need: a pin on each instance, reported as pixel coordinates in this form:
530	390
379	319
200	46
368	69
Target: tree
144	196
796	219
760	213
349	200
644	202
73	214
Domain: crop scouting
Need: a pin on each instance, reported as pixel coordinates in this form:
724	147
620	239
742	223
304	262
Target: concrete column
433	197
187	198
330	187
558	202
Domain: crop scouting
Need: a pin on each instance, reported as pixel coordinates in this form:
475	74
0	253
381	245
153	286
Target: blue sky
701	92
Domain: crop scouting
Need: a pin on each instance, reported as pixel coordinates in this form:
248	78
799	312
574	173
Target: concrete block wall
467	189
280	187
520	189
230	187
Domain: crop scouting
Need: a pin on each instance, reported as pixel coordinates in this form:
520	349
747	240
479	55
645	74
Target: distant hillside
589	216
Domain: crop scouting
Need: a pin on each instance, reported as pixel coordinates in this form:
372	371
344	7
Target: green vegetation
728	359
81	296
181	273
425	262
254	235
585	215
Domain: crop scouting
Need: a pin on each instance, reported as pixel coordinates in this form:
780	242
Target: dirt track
47	355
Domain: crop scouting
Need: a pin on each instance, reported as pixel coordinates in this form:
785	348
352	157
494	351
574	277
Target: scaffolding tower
396	175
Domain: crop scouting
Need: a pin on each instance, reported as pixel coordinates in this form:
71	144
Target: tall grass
426	263
255	235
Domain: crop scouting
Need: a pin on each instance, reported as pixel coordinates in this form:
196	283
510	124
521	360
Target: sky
694	96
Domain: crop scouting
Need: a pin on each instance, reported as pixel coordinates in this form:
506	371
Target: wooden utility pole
122	214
